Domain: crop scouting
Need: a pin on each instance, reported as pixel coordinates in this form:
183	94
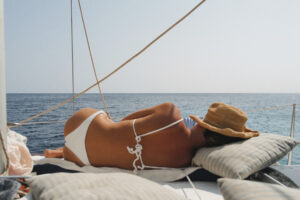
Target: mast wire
92	60
72	56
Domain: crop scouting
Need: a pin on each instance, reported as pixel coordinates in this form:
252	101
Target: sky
232	46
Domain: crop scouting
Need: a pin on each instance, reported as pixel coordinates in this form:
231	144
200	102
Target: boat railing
292	133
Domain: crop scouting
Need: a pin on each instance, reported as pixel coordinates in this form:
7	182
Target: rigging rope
193	186
92	60
11	125
118	68
72	55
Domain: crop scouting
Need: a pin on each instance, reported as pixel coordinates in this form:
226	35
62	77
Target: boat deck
206	190
291	171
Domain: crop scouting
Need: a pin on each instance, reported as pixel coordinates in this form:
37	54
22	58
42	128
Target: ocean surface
266	112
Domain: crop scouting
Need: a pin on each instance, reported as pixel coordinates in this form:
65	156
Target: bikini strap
160	129
137	151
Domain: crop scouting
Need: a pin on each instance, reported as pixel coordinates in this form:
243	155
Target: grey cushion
157	175
239	160
97	186
233	189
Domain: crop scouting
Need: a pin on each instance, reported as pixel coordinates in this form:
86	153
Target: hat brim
247	133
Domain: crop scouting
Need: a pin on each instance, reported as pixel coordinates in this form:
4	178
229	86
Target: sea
269	113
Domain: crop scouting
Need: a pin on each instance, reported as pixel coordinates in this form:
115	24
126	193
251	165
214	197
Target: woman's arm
139	114
168	109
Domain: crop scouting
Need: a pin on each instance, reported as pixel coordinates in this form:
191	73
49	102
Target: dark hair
213	139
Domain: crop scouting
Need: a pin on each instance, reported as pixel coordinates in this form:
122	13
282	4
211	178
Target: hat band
212	123
240	129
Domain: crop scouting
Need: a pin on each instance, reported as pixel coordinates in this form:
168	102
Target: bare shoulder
77	118
170	110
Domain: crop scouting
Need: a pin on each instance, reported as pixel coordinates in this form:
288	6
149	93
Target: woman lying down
150	138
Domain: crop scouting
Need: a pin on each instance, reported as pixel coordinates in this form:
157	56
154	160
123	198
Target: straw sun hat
226	120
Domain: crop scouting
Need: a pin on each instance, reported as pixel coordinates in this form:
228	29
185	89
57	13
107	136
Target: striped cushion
97	186
239	160
233	189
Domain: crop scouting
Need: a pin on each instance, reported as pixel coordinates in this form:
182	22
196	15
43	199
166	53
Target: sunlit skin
107	141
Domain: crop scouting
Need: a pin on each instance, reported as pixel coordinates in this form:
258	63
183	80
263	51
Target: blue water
42	136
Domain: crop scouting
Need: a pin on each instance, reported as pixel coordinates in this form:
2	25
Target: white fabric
75	141
138	147
20	161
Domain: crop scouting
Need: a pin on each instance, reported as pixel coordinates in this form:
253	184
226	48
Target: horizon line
156	93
